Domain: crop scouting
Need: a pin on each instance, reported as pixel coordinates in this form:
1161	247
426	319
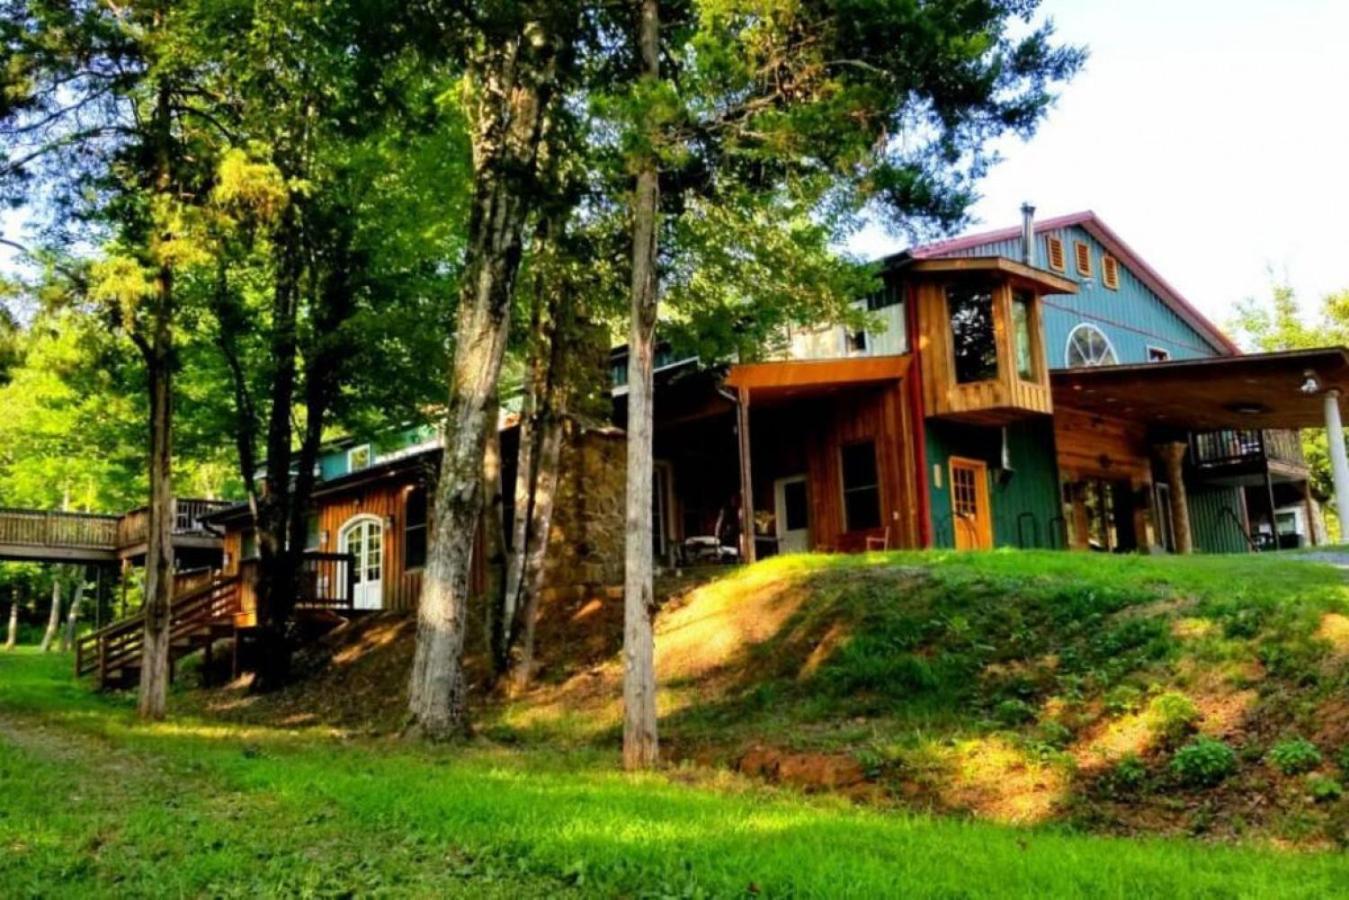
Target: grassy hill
1118	694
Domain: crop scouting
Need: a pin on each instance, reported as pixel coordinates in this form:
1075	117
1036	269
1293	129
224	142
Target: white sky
1212	135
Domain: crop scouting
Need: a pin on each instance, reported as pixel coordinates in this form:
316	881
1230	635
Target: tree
803	105
54	618
76	601
516	69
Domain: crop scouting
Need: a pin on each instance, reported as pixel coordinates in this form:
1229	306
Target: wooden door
970	516
792	517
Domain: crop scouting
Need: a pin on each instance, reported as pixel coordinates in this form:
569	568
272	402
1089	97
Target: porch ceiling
1258	390
789	379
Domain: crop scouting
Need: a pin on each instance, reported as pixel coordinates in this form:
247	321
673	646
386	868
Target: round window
1088	346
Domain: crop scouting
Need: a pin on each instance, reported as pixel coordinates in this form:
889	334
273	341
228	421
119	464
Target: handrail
1228	512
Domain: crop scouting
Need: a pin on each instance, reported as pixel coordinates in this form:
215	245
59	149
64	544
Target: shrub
1123	699
1173	717
1295	756
1323	789
1014	712
1127	776
1342	759
1204	762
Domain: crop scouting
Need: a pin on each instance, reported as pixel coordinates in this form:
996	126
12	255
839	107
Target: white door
363	538
792	514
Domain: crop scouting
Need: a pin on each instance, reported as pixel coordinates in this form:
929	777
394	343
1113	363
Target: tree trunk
12	638
640	747
73	619
494	550
512	84
54	619
158	350
526	471
541	513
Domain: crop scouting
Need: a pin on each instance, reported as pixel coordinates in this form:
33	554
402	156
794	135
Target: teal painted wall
1132	318
333	459
1213	530
1025	508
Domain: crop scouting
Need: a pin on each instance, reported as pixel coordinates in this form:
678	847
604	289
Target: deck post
747	548
1339	464
1311	512
1173	454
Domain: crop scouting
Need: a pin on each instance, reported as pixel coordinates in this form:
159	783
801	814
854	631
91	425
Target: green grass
93	803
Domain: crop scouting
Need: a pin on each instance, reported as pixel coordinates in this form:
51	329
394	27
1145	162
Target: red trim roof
1092	224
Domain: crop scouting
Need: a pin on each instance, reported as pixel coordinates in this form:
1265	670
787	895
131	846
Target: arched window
1088	346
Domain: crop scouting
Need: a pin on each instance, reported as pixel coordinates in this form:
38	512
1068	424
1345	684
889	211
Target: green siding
1215	530
1025	507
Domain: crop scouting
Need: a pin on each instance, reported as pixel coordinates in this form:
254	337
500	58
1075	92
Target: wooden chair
879	543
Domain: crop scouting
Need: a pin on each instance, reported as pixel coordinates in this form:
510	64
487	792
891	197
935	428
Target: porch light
1310	384
1247	408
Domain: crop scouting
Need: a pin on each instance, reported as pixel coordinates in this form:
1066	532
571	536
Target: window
973	341
856	343
1021	335
1082	255
248	545
1056	261
861	487
1110	272
359	458
311	532
414	529
1088	346
1158	354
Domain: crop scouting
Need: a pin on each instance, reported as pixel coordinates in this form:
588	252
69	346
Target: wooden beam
817	373
747	549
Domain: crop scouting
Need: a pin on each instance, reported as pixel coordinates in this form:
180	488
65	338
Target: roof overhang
1046	282
1257	390
801	378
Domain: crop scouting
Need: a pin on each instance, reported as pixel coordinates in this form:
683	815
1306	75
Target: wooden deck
208	610
52	536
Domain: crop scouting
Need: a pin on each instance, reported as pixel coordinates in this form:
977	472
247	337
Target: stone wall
585	555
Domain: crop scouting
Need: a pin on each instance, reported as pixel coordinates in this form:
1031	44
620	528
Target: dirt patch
809	771
997	781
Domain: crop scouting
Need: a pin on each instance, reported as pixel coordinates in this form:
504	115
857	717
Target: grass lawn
92	803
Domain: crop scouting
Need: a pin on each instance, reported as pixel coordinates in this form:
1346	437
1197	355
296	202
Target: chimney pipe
1028	234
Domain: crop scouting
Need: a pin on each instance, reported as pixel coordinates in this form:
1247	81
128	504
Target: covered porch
1170	454
785	457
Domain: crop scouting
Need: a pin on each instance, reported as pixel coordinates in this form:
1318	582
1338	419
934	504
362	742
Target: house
1035	386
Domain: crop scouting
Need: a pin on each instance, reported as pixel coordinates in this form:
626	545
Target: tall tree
828	108
516	69
53	617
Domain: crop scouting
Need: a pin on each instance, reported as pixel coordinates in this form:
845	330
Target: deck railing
134	527
43	528
326	581
1231	446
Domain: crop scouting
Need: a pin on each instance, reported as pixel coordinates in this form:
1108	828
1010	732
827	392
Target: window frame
369	457
1068	346
1082	258
994	294
410	526
875	487
1110	271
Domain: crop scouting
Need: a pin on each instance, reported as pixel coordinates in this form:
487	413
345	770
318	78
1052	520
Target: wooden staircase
197	619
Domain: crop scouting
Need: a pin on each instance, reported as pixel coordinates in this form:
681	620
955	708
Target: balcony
1233	454
56	536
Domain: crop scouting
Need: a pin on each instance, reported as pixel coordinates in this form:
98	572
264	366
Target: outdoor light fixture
1310	384
1247	408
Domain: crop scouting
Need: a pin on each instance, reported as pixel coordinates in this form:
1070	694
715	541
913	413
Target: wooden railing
41	528
194	614
1238	445
326	581
134	527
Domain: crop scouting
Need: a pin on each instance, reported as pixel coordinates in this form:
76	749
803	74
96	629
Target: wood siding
1003	399
807	436
1091	446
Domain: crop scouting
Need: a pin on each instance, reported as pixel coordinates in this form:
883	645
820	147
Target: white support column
1339	464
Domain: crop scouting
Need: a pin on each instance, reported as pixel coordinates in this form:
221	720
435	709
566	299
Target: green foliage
1172	717
1295	756
1127	776
1123	699
1324	789
1204	762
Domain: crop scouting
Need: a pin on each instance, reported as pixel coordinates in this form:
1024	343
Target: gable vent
1056	261
1110	272
1082	256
